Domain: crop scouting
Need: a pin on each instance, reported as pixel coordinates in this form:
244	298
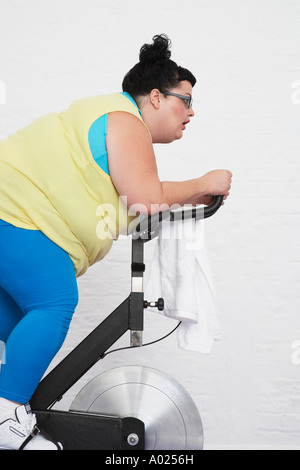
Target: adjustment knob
160	304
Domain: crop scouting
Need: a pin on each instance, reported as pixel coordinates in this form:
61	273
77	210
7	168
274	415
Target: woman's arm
133	170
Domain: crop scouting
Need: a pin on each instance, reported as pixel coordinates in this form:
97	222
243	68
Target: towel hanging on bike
181	274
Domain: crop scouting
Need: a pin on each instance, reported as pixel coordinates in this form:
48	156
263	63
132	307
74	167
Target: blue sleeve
97	142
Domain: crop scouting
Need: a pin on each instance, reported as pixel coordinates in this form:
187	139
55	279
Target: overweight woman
69	184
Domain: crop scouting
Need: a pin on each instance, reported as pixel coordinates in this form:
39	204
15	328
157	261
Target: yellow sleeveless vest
49	181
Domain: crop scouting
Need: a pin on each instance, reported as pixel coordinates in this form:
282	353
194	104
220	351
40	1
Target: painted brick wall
246	56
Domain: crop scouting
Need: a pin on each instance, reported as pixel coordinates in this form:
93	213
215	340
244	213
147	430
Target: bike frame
129	315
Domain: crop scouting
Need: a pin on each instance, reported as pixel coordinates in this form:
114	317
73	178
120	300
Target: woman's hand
216	183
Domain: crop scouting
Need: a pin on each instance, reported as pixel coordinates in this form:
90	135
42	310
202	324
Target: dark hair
155	69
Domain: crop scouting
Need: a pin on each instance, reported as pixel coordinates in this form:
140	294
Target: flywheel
170	416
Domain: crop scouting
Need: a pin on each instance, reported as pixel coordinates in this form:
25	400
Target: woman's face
174	113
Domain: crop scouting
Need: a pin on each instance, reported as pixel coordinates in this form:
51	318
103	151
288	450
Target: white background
246	57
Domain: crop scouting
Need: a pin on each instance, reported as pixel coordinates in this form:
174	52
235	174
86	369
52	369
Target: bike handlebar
148	228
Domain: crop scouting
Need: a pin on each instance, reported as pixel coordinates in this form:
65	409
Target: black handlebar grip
148	228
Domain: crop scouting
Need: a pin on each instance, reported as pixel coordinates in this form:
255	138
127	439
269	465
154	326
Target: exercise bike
109	413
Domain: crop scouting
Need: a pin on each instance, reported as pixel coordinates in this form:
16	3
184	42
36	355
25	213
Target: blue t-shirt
97	138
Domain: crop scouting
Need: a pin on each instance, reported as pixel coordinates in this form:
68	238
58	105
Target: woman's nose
191	112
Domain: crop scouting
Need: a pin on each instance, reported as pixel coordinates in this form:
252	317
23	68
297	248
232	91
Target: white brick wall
247	102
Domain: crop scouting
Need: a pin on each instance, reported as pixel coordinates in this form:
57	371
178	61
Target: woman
60	177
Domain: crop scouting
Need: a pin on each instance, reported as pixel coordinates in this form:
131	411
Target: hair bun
157	52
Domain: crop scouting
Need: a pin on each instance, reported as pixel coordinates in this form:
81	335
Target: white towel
180	273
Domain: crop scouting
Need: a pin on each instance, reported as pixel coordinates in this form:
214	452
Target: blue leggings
38	296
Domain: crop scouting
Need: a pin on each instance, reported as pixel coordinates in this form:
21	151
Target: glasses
188	99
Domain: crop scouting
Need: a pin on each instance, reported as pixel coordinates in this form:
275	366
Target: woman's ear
155	97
